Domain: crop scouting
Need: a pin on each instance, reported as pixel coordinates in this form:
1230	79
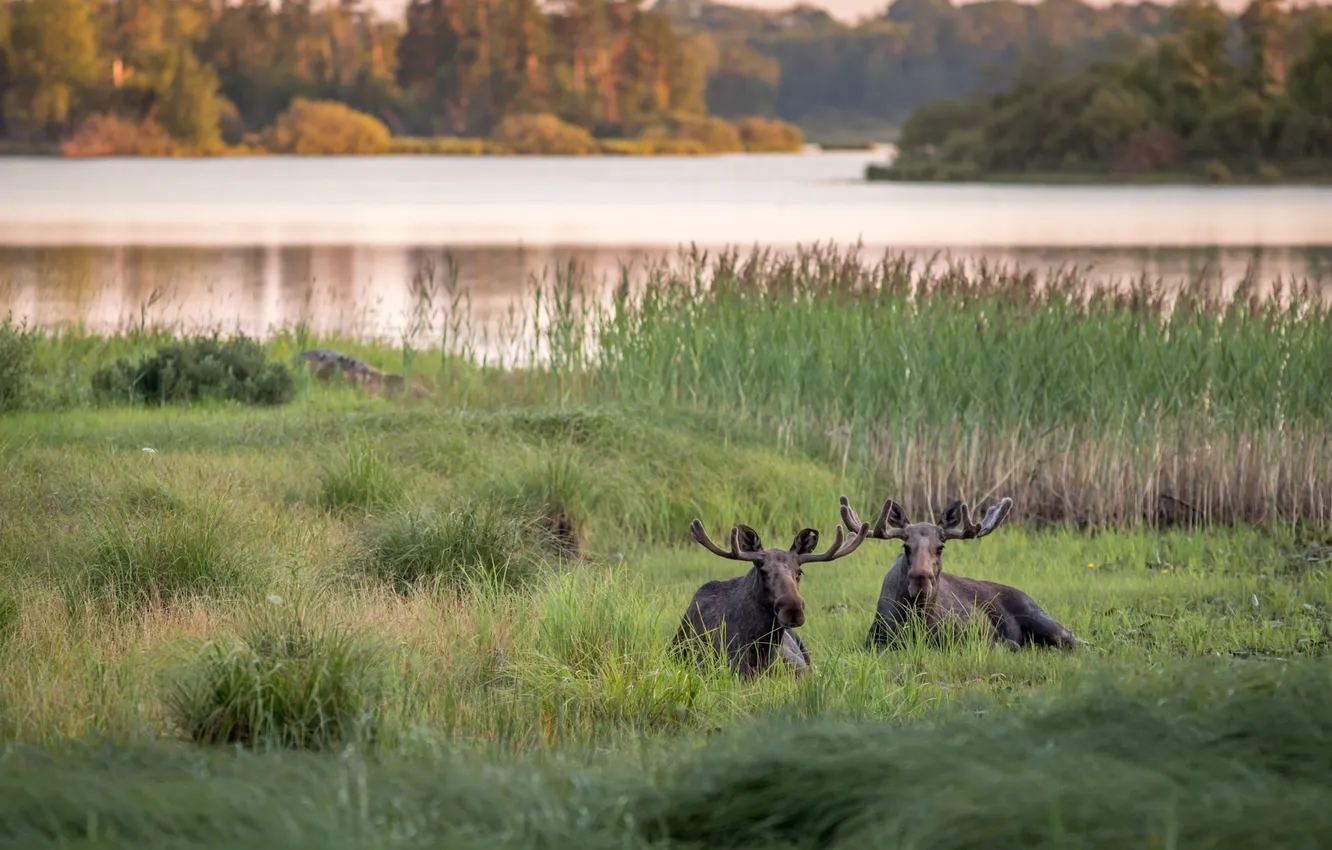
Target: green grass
343	622
1189	756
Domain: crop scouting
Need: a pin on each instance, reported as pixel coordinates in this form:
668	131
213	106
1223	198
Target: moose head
779	570
923	542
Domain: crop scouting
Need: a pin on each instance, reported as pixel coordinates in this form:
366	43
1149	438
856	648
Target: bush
476	542
543	134
766	135
1268	173
285	685
312	127
157	560
201	368
111	135
715	135
15	364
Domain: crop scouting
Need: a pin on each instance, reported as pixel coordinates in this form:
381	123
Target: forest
1215	100
201	75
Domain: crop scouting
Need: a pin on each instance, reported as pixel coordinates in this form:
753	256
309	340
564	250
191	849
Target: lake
253	243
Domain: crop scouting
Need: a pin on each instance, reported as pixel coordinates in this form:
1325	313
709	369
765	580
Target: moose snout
920	584
791	612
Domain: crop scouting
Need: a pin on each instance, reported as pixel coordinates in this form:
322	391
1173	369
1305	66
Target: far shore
887	174
444	146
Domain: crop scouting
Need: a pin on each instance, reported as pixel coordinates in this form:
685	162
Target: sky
846	10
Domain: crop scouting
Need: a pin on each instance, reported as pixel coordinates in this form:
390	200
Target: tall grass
1095	406
161	559
287	683
471	543
1186	755
1102	406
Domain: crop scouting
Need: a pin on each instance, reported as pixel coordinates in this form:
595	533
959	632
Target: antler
696	528
837	549
889	525
957	524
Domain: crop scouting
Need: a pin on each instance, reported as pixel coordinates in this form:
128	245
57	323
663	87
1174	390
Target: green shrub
543	134
158	559
284	685
477	542
202	368
16	346
715	135
769	135
1269	173
312	127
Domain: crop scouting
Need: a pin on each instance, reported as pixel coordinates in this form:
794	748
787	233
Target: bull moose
752	618
917	586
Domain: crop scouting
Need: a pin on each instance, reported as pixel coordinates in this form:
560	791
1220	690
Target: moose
756	614
917	586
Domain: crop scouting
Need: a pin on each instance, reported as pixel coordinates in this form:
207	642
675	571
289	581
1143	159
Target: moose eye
938	550
906	549
800	574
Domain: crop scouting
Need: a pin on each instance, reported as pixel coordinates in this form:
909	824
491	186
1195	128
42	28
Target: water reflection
367	290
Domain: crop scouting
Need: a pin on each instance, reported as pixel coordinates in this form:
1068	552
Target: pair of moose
756	614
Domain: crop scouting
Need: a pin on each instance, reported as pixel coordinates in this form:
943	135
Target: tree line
1216	98
208	71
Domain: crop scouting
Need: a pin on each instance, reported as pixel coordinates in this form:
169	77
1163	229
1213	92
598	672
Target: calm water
253	243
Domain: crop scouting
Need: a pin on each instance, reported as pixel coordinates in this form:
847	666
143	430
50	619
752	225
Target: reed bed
1103	406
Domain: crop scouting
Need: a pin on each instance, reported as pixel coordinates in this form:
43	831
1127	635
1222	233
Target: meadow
330	618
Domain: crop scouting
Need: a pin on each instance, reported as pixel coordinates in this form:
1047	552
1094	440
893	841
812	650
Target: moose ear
953	515
805	541
894	516
749	539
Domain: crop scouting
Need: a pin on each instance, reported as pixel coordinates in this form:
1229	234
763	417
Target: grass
352	621
470	543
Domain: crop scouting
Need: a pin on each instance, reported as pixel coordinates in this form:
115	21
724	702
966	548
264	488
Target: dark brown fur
917	587
755	614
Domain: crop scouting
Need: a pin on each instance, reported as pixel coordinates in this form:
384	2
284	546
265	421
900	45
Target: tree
1265	26
53	64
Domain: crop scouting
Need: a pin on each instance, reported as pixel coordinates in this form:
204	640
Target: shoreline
884	174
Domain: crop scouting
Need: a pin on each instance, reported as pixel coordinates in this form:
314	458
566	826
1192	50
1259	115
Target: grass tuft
158	559
362	479
477	542
285	684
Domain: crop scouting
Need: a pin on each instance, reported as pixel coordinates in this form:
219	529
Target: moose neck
764	619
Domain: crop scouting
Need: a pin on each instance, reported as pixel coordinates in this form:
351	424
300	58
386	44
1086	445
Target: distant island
1212	103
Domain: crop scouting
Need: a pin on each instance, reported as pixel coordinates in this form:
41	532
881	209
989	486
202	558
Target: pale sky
846	10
